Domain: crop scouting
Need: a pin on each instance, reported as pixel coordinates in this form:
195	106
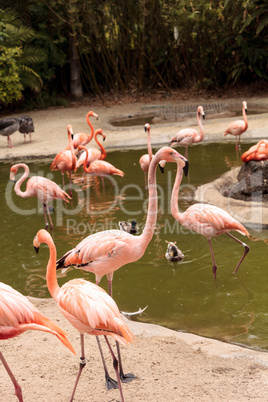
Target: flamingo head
93	114
70	131
147	127
168	154
42	236
245	106
200	111
13	172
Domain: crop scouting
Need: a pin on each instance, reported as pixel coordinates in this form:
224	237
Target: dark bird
128	227
8	126
173	253
26	126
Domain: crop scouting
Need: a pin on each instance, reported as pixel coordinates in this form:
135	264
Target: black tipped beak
246	110
72	136
36	249
204	116
186	168
162	169
103	138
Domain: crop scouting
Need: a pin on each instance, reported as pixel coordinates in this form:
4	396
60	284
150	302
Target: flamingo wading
207	220
65	161
189	136
104	252
145	159
18	315
86	306
238	127
84	138
41	187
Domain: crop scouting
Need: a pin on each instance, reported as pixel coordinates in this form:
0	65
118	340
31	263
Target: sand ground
169	365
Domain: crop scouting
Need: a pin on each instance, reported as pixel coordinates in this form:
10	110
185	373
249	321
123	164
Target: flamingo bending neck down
238	127
189	136
258	152
207	220
65	161
145	159
86	306
100	168
18	315
41	187
104	252
93	153
84	138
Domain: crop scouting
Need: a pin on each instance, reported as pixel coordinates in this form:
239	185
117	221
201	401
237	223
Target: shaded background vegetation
50	48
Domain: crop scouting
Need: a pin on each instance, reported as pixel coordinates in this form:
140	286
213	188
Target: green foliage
10	85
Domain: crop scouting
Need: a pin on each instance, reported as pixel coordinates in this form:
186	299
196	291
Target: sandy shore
169	365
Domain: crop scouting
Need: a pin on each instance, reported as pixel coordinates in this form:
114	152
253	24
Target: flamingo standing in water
100	168
41	187
93	153
86	306
238	127
258	152
207	220
18	315
65	161
145	159
84	138
104	252
189	136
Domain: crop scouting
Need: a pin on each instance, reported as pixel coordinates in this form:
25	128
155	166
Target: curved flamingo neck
175	196
245	118
86	169
201	129
149	146
17	189
103	151
90	125
51	276
71	147
151	219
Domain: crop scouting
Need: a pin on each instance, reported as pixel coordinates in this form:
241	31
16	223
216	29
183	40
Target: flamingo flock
86	306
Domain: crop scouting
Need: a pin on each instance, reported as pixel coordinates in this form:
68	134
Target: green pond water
183	296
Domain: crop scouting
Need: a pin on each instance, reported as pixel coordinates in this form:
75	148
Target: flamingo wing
236	128
184	137
100	167
46	189
90	309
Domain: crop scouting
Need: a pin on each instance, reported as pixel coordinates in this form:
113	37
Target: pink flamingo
84	138
189	136
100	168
104	252
207	220
86	306
145	159
93	153
18	315
238	127
258	152
41	187
65	161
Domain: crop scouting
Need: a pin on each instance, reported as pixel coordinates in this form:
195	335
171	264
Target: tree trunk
75	74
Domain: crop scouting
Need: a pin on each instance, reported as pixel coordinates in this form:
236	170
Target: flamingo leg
70	184
24	138
30	137
115	364
45	215
18	391
82	365
63	184
214	269
9	143
110	382
245	252
124	377
50	220
186	152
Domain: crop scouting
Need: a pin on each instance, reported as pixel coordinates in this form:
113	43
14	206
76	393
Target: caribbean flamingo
104	252
93	153
100	168
41	187
258	152
86	306
18	315
238	127
65	161
189	136
207	220
145	159
84	138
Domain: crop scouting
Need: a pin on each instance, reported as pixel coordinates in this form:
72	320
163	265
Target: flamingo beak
72	136
103	138
12	177
186	168
246	110
204	116
36	249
